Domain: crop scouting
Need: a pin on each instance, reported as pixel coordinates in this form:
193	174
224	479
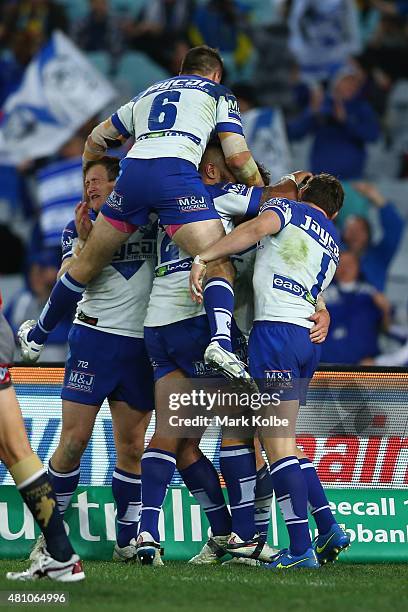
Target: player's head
213	168
348	269
99	178
204	61
325	192
356	234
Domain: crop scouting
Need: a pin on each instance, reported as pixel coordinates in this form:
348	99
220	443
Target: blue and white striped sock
65	295
318	502
157	471
291	494
127	493
238	469
263	500
64	485
219	305
202	481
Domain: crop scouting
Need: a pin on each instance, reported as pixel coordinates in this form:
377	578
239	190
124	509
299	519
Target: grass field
178	586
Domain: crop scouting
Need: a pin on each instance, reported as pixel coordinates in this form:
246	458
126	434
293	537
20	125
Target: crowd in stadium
321	86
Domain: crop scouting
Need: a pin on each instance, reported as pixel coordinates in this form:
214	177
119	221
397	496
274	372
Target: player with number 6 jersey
171	122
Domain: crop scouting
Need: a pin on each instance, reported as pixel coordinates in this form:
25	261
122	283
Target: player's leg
275	351
332	539
88	380
158	466
218	294
263	493
131	402
58	561
98	251
129	429
202	480
78	421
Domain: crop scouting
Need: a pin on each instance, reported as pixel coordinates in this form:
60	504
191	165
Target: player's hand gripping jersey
293	266
170	299
176	117
116	300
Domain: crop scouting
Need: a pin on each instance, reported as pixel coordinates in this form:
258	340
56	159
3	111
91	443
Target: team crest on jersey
67	241
192	204
115	200
80	381
236	188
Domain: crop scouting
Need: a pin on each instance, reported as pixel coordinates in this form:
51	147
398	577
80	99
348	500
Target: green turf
178	586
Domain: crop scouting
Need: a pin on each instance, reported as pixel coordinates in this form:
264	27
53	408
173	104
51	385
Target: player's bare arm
240	239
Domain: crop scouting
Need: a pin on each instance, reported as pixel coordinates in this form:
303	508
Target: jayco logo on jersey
233	108
323	236
291	286
192	204
80	381
115	200
179	84
138	250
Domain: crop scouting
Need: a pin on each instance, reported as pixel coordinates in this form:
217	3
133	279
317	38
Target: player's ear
210	170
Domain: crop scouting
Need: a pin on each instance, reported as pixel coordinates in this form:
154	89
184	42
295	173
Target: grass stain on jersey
294	251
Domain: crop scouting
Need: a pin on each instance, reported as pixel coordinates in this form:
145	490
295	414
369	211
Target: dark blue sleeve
67	239
362	123
300	126
392	225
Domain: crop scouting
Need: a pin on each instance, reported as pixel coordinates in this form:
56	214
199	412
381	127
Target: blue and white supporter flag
265	133
60	91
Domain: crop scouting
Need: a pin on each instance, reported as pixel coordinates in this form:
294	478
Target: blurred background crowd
322	85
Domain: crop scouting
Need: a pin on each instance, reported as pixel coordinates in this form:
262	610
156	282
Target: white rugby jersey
176	117
170	299
293	266
116	300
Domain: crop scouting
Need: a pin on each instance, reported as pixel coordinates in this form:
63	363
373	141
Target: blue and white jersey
116	300
293	266
176	117
170	299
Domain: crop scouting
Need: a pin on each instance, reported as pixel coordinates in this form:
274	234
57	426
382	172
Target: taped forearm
320	303
239	159
99	140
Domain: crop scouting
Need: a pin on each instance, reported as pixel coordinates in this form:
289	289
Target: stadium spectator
342	123
99	30
220	24
397	358
158	26
29	302
37	19
357	311
274	63
265	131
323	35
375	258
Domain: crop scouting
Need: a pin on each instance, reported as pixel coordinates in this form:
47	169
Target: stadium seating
138	71
101	60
